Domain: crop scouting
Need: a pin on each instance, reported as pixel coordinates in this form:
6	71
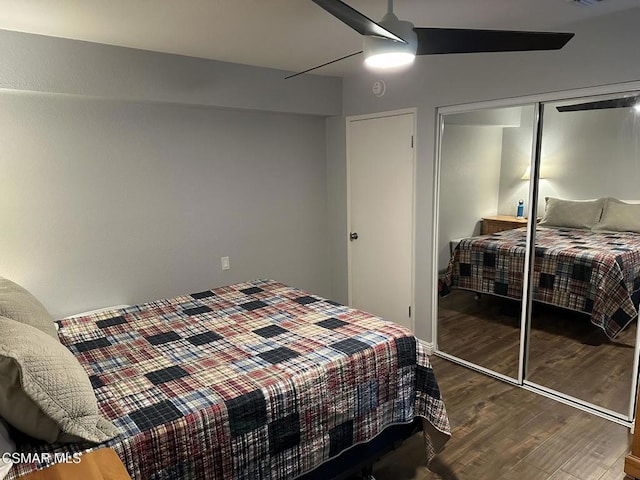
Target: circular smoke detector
378	88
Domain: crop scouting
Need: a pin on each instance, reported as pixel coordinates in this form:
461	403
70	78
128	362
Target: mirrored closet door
483	195
586	275
538	246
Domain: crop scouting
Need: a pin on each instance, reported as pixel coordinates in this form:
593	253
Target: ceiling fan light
386	53
389	59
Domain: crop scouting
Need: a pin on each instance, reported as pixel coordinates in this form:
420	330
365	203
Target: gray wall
591	154
109	202
469	182
337	207
37	63
598	55
517	145
128	174
586	154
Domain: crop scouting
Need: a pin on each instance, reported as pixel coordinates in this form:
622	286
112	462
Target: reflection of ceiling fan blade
356	20
433	41
624	102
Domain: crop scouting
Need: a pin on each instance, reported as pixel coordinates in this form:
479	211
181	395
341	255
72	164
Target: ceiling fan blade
433	41
356	20
624	102
323	65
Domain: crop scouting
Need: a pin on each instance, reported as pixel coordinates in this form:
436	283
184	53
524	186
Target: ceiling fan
622	102
394	42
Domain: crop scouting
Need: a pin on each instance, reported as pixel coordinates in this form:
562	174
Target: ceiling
286	34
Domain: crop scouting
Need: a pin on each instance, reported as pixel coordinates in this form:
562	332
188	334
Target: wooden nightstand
102	464
499	223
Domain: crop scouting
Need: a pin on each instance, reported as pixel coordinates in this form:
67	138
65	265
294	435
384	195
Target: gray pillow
18	304
619	216
44	391
572	213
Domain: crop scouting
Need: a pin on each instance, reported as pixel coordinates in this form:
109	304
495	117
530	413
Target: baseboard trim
428	347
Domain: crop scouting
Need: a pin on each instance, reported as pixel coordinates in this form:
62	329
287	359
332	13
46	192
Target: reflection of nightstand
499	223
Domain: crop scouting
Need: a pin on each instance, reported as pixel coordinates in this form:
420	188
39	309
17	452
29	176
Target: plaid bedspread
254	380
591	272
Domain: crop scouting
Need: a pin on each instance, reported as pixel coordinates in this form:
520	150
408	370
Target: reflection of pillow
44	391
19	305
619	217
6	446
572	213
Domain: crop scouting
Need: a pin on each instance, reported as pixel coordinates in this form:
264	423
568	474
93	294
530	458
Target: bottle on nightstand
520	210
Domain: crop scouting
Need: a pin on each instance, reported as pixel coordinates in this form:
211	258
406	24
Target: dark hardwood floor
503	432
566	352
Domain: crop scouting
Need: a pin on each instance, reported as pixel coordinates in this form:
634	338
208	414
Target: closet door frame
538	101
466	108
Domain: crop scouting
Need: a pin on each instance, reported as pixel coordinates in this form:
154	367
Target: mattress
597	273
253	380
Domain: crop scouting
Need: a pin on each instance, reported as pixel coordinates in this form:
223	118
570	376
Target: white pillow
6	446
572	213
619	216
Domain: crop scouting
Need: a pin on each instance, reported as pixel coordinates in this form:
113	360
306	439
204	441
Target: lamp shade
527	174
387	53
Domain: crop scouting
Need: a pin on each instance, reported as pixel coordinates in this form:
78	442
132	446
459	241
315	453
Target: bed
593	272
253	380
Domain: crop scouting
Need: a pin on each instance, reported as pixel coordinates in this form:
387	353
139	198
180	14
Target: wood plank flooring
485	331
502	432
566	352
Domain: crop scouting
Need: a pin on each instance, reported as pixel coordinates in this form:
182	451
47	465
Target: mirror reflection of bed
585	267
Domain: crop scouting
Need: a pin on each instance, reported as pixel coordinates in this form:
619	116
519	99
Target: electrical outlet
225	263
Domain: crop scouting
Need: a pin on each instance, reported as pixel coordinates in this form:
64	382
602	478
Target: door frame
370	116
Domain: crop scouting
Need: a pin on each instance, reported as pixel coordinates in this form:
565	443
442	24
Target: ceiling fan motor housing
404	29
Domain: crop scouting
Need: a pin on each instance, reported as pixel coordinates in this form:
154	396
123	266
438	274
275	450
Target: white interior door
380	171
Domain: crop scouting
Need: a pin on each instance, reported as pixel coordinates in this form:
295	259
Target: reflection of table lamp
527	174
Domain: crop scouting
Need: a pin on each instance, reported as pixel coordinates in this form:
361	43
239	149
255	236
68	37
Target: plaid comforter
254	380
592	272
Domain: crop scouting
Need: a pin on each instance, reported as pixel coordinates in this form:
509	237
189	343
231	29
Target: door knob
353	236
